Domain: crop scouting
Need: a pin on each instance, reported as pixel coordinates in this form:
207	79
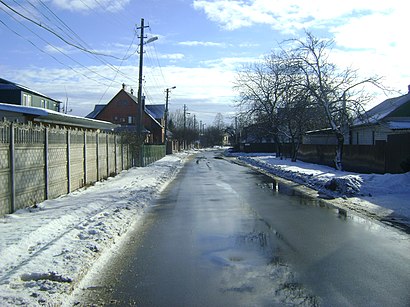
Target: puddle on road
252	268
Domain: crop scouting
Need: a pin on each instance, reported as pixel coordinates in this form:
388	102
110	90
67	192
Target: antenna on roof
66	101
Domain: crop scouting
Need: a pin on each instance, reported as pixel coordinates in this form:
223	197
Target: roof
8	85
399	125
53	117
155	110
382	110
97	109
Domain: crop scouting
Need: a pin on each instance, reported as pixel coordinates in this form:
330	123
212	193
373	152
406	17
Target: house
123	109
13	93
392	116
25	114
324	136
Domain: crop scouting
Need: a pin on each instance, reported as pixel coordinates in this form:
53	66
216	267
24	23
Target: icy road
223	235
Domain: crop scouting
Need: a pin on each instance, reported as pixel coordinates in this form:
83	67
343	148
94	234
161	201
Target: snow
47	250
383	197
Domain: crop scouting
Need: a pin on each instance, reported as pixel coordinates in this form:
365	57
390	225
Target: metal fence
381	158
39	163
152	153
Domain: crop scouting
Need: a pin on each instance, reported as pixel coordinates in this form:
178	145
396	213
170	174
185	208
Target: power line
109	65
58	61
58	35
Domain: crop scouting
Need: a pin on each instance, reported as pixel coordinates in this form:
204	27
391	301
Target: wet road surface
222	235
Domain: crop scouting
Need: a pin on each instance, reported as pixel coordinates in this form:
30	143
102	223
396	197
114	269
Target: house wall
39	101
322	139
16	98
119	110
370	135
123	110
10	96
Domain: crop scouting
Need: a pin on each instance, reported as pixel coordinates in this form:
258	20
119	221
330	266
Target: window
130	120
26	100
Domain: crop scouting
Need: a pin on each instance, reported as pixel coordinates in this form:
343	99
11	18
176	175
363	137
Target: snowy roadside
46	250
382	197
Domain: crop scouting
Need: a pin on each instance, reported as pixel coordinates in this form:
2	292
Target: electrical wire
58	35
58	61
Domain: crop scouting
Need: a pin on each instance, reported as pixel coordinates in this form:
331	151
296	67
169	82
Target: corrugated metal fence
381	158
39	163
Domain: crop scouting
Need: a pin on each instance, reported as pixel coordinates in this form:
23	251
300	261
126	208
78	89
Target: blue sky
201	45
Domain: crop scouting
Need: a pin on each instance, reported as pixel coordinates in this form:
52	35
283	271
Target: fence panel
76	159
5	191
111	155
57	162
91	157
38	163
152	153
29	166
102	156
398	155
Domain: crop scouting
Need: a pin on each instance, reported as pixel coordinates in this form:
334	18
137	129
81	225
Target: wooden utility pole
166	112
140	123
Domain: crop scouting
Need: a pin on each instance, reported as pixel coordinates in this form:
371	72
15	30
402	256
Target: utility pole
184	126
166	113
140	124
139	97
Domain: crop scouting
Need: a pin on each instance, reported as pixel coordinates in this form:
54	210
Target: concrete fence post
85	158
97	145
46	164
68	163
115	155
107	150
12	169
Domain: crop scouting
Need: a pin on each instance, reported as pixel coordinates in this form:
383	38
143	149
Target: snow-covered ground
46	250
383	197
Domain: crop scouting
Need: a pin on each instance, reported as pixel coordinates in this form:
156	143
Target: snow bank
386	197
47	249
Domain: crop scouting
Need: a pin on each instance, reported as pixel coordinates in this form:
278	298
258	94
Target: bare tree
341	94
260	90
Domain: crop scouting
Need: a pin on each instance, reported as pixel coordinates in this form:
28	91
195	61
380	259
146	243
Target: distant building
392	116
13	93
23	114
21	104
123	109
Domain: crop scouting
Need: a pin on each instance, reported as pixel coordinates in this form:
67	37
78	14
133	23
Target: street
224	235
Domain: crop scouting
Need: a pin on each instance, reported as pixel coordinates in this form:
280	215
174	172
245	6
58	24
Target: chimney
123	86
408	88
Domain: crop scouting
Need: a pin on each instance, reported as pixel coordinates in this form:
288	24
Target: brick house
123	109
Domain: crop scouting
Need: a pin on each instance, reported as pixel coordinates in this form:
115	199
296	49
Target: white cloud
200	43
89	5
286	15
198	87
172	56
369	35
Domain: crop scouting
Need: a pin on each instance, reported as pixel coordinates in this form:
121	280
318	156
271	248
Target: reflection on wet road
222	235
